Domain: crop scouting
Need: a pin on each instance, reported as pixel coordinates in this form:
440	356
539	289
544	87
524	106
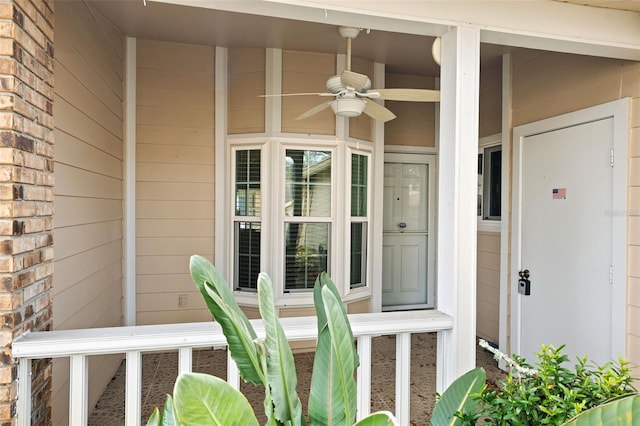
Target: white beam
567	27
457	221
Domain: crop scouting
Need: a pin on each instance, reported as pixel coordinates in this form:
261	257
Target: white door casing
572	241
408	268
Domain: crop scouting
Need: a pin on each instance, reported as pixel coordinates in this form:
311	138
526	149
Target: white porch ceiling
401	52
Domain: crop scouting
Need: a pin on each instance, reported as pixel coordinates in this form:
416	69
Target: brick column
26	192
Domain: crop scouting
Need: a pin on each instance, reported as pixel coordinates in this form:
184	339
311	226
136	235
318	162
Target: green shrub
551	394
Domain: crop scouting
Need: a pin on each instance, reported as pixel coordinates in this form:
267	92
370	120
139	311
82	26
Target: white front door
563	187
407	266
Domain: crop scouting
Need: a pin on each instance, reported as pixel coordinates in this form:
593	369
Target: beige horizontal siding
246	81
88	190
304	72
175	177
488	286
414	124
490	119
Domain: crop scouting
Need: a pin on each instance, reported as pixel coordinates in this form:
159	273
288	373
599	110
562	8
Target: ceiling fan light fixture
348	107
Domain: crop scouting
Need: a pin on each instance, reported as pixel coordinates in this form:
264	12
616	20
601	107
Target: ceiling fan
353	93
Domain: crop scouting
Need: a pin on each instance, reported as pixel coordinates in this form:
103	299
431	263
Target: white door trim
619	111
430	161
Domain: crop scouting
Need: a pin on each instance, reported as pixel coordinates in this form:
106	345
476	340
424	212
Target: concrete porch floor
159	372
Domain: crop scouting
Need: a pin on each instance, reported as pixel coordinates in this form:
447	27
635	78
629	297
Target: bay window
287	219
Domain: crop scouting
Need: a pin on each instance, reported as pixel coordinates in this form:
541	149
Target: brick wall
26	191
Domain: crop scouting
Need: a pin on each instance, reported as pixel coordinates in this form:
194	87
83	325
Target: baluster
133	390
403	378
185	360
364	377
79	390
24	392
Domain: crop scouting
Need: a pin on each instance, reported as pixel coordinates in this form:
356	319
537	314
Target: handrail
78	345
111	340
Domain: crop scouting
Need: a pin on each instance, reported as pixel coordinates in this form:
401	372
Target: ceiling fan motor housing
348	105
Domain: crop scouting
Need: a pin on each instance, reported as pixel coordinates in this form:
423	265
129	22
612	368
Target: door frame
619	111
431	161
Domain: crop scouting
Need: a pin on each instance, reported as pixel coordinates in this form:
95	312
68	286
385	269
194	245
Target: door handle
524	284
402	225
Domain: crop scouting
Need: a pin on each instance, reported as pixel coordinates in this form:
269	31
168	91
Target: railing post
79	390
185	360
24	392
364	377
233	374
403	378
133	391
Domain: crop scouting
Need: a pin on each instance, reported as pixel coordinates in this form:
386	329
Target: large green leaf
381	418
333	390
165	418
326	404
621	412
235	324
200	399
281	371
459	397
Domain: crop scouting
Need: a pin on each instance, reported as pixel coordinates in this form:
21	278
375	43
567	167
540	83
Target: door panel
406	235
566	240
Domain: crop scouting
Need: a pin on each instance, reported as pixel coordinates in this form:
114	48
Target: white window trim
273	151
485	225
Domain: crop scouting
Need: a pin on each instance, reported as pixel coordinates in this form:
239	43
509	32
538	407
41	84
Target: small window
307	217
247	222
359	191
490	183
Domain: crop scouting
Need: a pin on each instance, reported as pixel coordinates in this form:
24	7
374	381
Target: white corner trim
273	86
221	195
129	255
503	343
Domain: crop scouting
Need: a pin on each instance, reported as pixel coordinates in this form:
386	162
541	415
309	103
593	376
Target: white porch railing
78	345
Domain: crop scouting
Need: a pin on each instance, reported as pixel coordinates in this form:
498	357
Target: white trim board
619	111
129	245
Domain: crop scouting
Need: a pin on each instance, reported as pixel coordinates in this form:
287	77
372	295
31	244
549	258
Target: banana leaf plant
200	399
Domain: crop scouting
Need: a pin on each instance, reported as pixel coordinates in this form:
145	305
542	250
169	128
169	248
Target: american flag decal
559	193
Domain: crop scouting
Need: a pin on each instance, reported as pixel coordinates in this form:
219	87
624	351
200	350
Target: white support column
363	374
129	291
377	202
79	390
457	222
133	389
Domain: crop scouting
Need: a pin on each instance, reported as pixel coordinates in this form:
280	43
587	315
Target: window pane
359	185
306	254
308	183
492	183
247	261
248	182
358	254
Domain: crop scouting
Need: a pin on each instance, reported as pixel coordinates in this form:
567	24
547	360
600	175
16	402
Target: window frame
272	246
488	143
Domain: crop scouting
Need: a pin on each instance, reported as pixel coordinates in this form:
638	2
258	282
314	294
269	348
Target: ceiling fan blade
378	112
316	109
411	95
353	79
280	95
